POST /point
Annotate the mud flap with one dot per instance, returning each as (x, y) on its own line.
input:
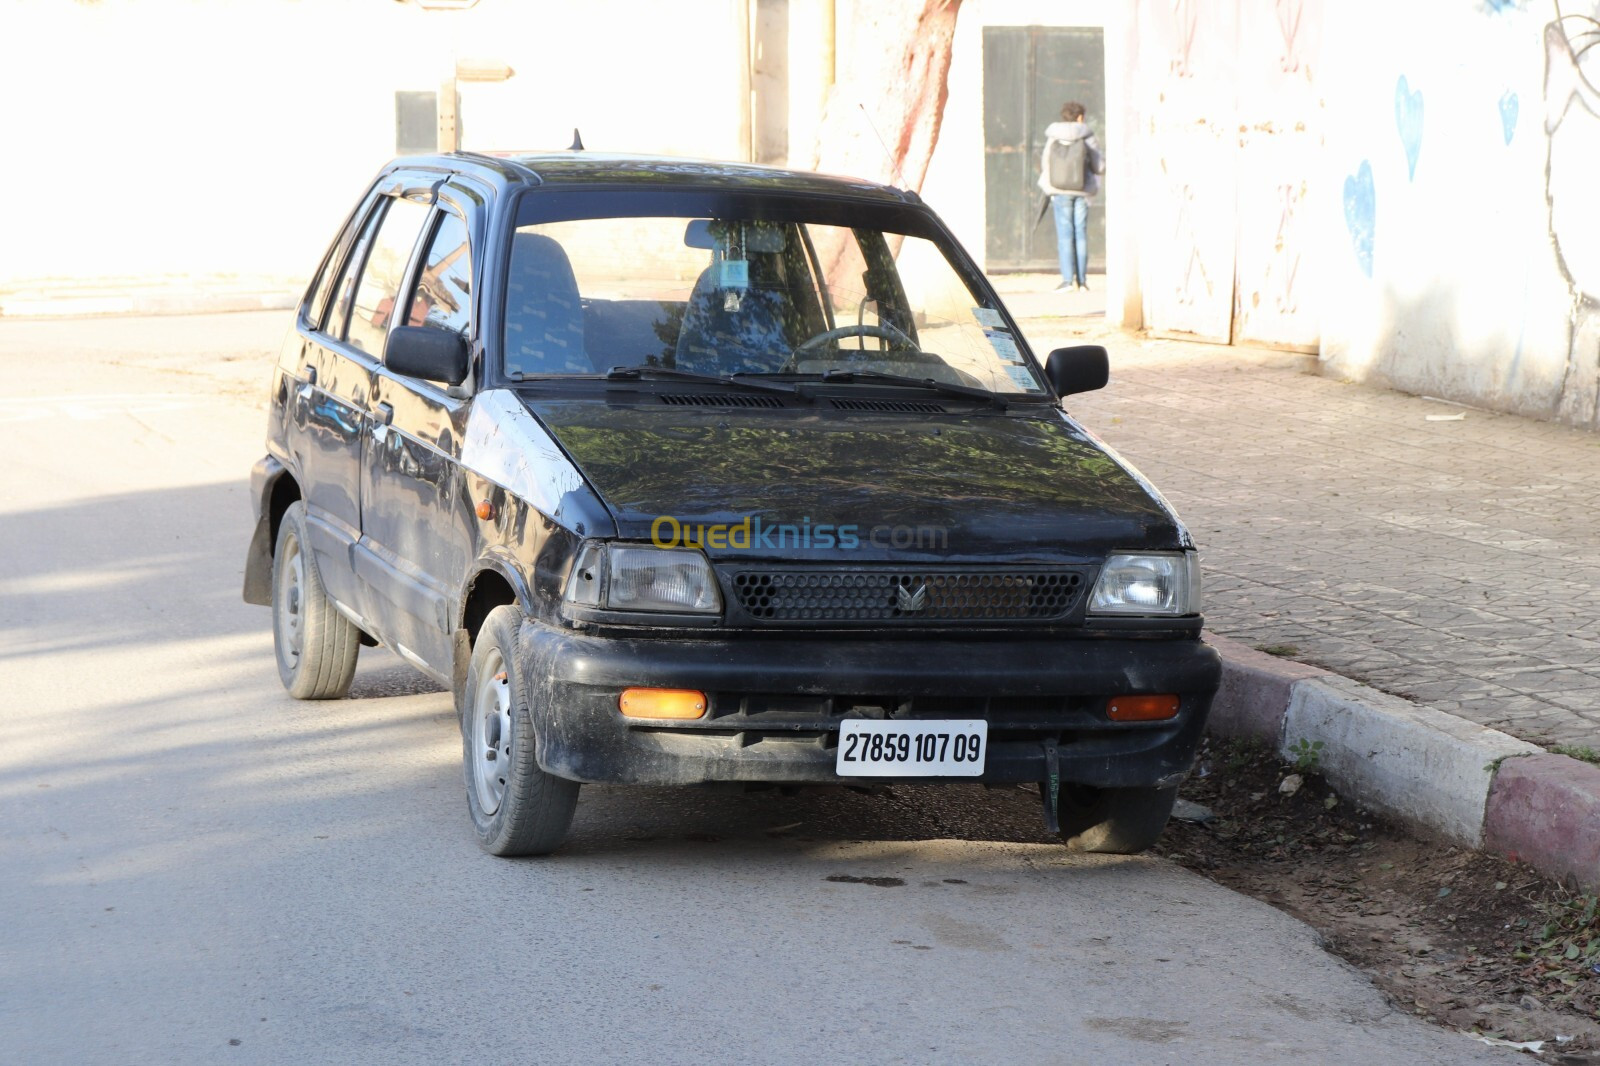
(258, 565)
(1050, 787)
(460, 660)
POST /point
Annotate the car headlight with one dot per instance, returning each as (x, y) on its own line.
(617, 577)
(1164, 583)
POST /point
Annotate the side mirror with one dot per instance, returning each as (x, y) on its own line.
(1082, 368)
(428, 353)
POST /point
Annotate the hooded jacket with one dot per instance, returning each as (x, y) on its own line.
(1071, 131)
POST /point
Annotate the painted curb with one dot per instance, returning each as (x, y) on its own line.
(1438, 773)
(1255, 691)
(1545, 811)
(1422, 765)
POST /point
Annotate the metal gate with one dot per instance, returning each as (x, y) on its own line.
(1280, 149)
(1231, 127)
(1028, 73)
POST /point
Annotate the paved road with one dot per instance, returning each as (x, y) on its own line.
(1455, 561)
(194, 868)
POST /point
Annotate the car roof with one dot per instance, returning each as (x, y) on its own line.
(582, 167)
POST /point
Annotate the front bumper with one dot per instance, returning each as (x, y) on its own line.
(776, 704)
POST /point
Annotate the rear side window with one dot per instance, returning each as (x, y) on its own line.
(379, 289)
(322, 288)
(352, 266)
(319, 295)
(443, 297)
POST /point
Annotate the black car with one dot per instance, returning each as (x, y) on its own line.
(681, 472)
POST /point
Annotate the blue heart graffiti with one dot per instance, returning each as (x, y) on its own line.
(1509, 106)
(1408, 116)
(1360, 214)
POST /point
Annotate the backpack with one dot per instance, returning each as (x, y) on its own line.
(1069, 164)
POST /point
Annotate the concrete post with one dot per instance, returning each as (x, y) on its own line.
(449, 127)
(741, 22)
(1124, 295)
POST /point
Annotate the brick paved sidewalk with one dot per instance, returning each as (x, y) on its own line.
(1456, 563)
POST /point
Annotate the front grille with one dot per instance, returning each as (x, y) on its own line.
(906, 597)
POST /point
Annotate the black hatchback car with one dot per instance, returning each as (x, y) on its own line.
(681, 472)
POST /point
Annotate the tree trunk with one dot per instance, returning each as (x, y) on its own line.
(882, 121)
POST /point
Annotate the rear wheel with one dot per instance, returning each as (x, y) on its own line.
(1114, 821)
(316, 646)
(516, 807)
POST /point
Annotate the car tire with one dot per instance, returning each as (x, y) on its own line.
(316, 646)
(516, 807)
(1113, 821)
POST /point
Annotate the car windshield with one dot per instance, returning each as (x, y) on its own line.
(723, 284)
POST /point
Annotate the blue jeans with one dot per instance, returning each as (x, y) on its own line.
(1072, 236)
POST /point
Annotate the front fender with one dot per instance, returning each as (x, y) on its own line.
(499, 560)
(495, 560)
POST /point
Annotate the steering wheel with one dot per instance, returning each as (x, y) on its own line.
(882, 331)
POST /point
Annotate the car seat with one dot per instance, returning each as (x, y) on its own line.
(750, 327)
(544, 314)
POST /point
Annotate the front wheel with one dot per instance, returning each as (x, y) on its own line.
(316, 646)
(1113, 821)
(516, 807)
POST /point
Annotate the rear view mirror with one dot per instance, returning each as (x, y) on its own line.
(1082, 368)
(428, 353)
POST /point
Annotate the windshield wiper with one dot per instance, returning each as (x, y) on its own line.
(949, 389)
(667, 373)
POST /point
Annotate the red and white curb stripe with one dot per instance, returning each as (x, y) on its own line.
(1434, 771)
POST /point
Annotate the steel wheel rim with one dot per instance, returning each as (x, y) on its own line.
(490, 754)
(291, 600)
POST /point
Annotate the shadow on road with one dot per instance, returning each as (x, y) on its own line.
(613, 819)
(132, 601)
(141, 568)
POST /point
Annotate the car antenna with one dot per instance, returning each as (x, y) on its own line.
(900, 179)
(577, 141)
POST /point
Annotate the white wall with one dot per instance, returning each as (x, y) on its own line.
(268, 116)
(632, 75)
(1446, 281)
(164, 137)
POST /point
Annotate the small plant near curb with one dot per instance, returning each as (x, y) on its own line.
(1282, 651)
(1239, 753)
(1307, 754)
(1578, 751)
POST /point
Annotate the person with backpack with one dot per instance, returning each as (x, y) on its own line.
(1069, 174)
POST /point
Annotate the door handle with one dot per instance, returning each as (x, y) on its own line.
(384, 413)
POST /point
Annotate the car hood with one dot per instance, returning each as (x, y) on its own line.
(982, 486)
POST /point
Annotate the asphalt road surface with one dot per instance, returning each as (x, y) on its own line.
(196, 868)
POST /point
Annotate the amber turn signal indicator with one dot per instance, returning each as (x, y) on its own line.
(485, 510)
(662, 703)
(1142, 708)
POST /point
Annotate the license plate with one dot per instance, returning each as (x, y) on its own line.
(871, 748)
